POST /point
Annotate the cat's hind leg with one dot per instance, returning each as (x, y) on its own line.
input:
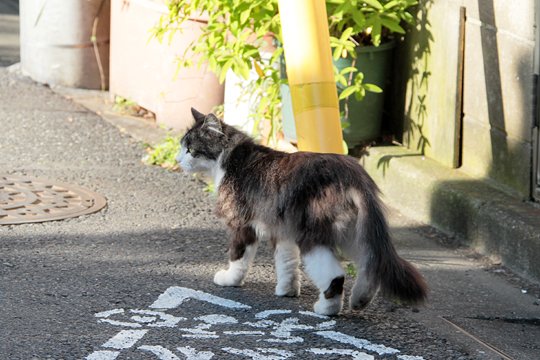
(364, 289)
(287, 261)
(242, 251)
(324, 269)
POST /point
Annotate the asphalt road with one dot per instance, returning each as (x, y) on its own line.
(157, 234)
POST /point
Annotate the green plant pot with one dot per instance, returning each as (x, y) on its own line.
(364, 117)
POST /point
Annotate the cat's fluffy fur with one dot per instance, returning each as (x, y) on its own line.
(309, 206)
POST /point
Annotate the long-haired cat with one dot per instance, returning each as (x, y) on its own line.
(310, 206)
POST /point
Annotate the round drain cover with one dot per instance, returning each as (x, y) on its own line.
(26, 200)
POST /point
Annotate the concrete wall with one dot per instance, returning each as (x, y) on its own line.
(497, 122)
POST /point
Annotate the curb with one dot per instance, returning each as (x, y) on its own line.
(478, 215)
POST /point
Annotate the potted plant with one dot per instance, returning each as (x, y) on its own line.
(237, 38)
(238, 32)
(363, 35)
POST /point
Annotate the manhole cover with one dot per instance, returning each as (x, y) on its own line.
(26, 200)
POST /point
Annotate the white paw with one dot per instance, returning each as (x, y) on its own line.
(290, 290)
(227, 278)
(328, 306)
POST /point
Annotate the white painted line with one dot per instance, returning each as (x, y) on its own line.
(160, 352)
(103, 355)
(326, 325)
(259, 354)
(108, 313)
(215, 319)
(409, 357)
(125, 339)
(176, 295)
(193, 354)
(311, 313)
(356, 355)
(244, 333)
(165, 320)
(267, 313)
(359, 343)
(120, 323)
(200, 336)
(286, 340)
(261, 323)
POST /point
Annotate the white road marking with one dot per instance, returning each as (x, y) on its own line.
(326, 325)
(165, 320)
(356, 355)
(193, 354)
(106, 314)
(160, 352)
(359, 343)
(265, 314)
(174, 296)
(200, 332)
(314, 314)
(282, 329)
(121, 323)
(244, 333)
(217, 319)
(259, 354)
(153, 318)
(103, 355)
(125, 339)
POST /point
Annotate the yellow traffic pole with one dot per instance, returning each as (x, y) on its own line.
(306, 41)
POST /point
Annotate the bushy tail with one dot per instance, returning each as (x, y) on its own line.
(397, 277)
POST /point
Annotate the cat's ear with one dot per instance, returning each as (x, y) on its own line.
(213, 123)
(198, 116)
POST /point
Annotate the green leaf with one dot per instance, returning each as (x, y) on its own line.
(224, 69)
(373, 3)
(244, 16)
(373, 88)
(392, 26)
(346, 34)
(347, 92)
(407, 17)
(359, 18)
(348, 70)
(391, 4)
(376, 32)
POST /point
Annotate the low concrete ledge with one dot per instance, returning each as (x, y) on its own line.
(490, 221)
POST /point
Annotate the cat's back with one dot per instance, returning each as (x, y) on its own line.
(324, 169)
(252, 163)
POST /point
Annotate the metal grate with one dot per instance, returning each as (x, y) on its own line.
(27, 200)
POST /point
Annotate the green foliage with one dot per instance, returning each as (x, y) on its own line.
(350, 270)
(234, 38)
(355, 23)
(238, 31)
(164, 153)
(123, 105)
(366, 22)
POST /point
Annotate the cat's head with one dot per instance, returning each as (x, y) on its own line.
(204, 143)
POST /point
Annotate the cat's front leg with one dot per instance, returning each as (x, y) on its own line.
(242, 251)
(287, 261)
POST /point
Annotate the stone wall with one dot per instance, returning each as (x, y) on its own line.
(498, 72)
